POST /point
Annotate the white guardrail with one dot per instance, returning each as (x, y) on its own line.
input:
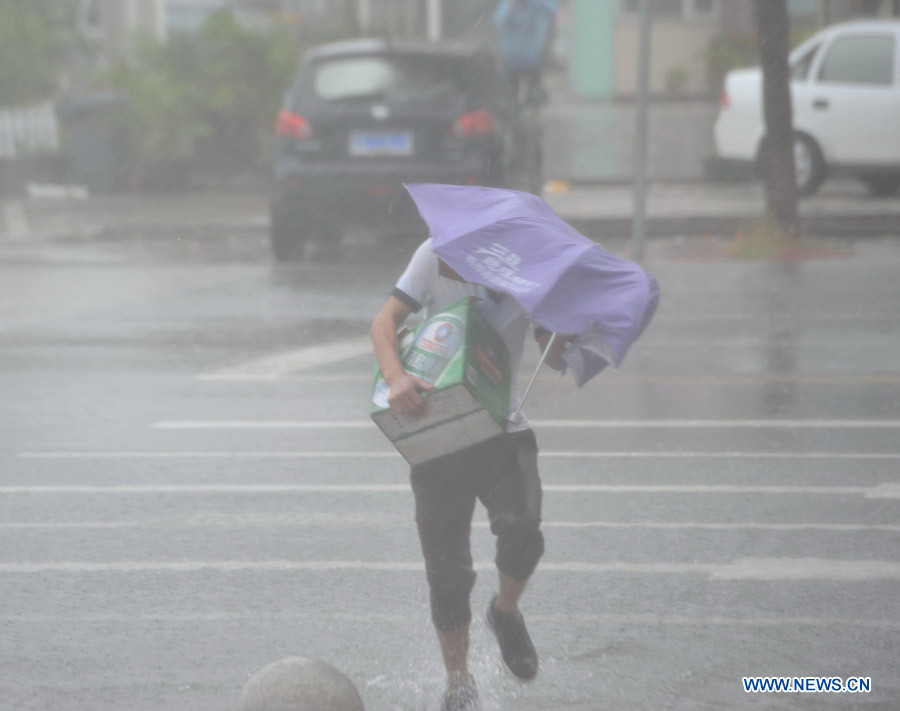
(28, 130)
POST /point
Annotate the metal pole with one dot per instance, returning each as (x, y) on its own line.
(640, 153)
(160, 11)
(516, 418)
(435, 20)
(364, 16)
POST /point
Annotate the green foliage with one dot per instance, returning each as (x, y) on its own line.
(162, 109)
(727, 52)
(28, 52)
(800, 35)
(676, 80)
(243, 76)
(225, 84)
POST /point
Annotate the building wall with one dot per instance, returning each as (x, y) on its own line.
(676, 46)
(591, 59)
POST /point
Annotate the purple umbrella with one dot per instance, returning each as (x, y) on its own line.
(514, 243)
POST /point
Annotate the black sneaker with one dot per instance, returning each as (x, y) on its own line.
(516, 648)
(461, 697)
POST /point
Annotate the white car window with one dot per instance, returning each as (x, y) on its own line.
(863, 59)
(800, 67)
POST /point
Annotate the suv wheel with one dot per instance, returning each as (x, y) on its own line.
(288, 230)
(808, 164)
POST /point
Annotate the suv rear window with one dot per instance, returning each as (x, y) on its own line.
(408, 78)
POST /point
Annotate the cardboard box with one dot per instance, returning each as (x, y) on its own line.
(459, 352)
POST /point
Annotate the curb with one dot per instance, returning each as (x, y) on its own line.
(847, 226)
(821, 225)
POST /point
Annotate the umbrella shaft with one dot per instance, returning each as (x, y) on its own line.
(516, 418)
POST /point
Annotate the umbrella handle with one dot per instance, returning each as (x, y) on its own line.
(517, 416)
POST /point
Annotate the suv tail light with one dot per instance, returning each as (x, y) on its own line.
(474, 123)
(291, 125)
(725, 100)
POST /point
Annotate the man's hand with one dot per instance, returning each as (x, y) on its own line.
(406, 394)
(554, 356)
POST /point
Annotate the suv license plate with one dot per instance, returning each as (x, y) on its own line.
(381, 144)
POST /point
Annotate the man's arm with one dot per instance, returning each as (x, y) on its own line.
(404, 397)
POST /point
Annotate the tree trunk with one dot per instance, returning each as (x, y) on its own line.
(778, 147)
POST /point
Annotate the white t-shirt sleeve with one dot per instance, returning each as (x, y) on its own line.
(415, 286)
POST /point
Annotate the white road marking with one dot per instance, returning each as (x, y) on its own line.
(720, 424)
(284, 364)
(69, 525)
(384, 454)
(325, 520)
(770, 569)
(882, 491)
(754, 342)
(210, 489)
(702, 526)
(368, 617)
(791, 316)
(548, 424)
(808, 569)
(273, 367)
(724, 455)
(16, 220)
(640, 620)
(885, 491)
(264, 425)
(615, 378)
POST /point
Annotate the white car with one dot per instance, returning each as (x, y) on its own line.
(845, 85)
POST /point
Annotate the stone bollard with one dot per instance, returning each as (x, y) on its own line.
(298, 684)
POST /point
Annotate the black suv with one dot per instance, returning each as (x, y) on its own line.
(365, 116)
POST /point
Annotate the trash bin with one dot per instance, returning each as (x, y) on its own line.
(95, 145)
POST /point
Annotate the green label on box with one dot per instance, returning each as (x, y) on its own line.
(465, 359)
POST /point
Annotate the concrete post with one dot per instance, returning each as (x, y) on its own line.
(640, 154)
(364, 16)
(298, 684)
(435, 20)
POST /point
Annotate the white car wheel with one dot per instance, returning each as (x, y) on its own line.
(808, 165)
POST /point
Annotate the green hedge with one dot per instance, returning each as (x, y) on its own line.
(221, 87)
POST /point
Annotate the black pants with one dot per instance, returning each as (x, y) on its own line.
(501, 472)
(526, 85)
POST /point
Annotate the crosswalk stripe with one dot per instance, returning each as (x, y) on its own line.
(880, 491)
(275, 366)
(549, 424)
(386, 454)
(822, 569)
(371, 617)
(345, 521)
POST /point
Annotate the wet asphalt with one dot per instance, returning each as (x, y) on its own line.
(190, 489)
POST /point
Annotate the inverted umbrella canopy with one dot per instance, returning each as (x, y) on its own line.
(513, 242)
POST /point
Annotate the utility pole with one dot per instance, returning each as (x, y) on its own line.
(364, 16)
(640, 153)
(435, 20)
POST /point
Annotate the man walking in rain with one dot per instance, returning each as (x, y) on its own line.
(524, 27)
(500, 472)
